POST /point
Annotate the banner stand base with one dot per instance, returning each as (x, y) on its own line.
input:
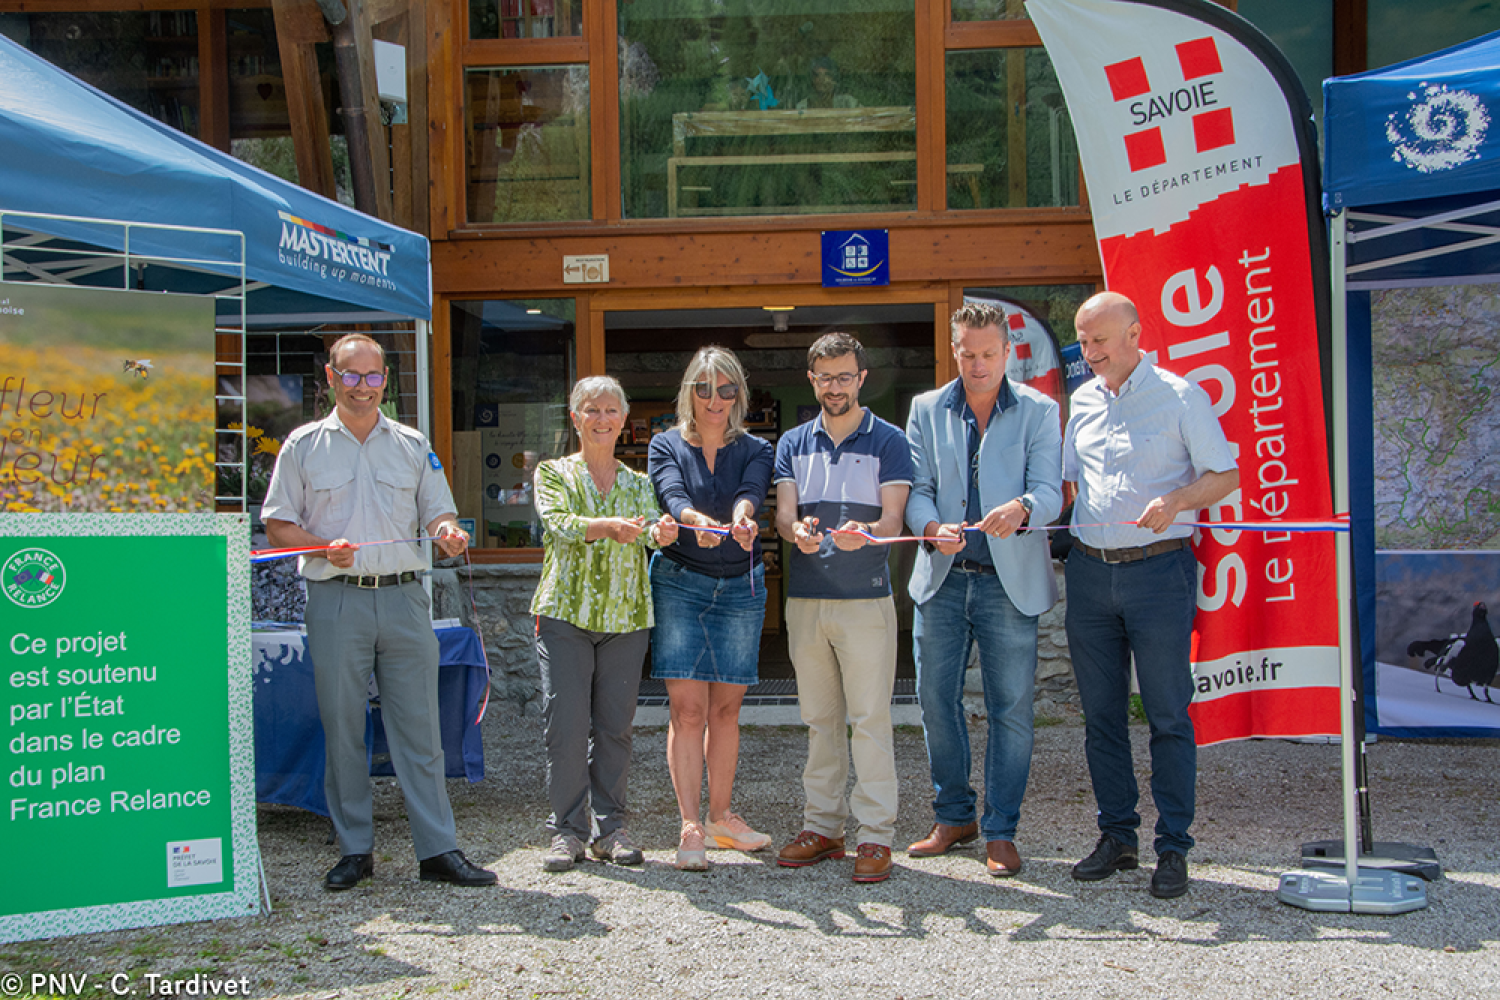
(1374, 891)
(1407, 859)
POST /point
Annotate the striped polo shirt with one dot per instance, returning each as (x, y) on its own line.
(838, 483)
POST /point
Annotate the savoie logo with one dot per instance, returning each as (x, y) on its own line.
(33, 578)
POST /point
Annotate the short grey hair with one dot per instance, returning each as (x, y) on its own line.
(593, 387)
(977, 316)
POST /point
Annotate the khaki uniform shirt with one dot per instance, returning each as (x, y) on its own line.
(388, 487)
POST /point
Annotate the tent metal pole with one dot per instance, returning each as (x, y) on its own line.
(1342, 547)
(1369, 890)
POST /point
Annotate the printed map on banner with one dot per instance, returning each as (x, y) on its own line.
(1436, 375)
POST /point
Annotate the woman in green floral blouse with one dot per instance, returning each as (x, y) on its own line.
(593, 609)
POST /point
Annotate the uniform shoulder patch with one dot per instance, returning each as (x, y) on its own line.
(432, 460)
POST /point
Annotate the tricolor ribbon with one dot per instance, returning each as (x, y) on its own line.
(1338, 525)
(266, 555)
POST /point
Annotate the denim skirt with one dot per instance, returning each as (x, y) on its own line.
(707, 628)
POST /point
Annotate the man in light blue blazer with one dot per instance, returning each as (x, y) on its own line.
(987, 455)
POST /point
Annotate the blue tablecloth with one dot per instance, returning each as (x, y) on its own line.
(289, 757)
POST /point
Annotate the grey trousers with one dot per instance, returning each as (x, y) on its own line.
(352, 633)
(590, 681)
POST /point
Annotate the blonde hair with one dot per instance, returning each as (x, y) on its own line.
(707, 365)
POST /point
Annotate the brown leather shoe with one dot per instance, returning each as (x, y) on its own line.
(1001, 858)
(808, 848)
(943, 839)
(873, 863)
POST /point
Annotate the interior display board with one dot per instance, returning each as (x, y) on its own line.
(106, 400)
(128, 736)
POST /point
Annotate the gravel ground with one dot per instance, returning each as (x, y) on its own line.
(938, 928)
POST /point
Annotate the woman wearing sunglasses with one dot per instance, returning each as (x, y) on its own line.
(710, 595)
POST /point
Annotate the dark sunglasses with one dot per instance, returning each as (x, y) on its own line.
(351, 379)
(726, 391)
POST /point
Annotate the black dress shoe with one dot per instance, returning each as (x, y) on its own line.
(350, 870)
(1171, 877)
(454, 867)
(1109, 856)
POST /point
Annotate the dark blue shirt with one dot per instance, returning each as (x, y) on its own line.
(838, 483)
(976, 543)
(742, 471)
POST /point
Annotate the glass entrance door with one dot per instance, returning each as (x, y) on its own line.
(648, 350)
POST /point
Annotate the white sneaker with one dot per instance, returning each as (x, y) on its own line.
(734, 834)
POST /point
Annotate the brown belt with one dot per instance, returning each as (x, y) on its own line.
(1137, 554)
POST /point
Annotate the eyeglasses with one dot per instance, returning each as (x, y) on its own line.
(844, 380)
(351, 379)
(728, 390)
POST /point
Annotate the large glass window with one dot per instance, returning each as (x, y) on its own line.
(1303, 30)
(528, 143)
(525, 18)
(988, 10)
(730, 107)
(1400, 30)
(513, 366)
(1010, 139)
(147, 59)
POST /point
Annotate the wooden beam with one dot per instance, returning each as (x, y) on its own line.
(213, 79)
(1351, 43)
(444, 121)
(601, 29)
(299, 22)
(416, 112)
(940, 249)
(931, 91)
(304, 94)
(394, 30)
(369, 100)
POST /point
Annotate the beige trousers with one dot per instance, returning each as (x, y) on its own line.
(844, 653)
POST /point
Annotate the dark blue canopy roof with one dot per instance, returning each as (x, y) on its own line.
(72, 150)
(1425, 128)
(1412, 152)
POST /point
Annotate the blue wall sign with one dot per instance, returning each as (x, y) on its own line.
(853, 257)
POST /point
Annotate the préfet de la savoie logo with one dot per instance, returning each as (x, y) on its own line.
(33, 578)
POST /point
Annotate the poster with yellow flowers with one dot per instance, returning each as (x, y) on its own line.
(106, 400)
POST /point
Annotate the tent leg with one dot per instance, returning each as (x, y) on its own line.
(1358, 889)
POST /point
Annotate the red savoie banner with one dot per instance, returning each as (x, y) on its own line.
(1197, 146)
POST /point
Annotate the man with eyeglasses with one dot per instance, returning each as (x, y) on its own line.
(988, 459)
(355, 477)
(841, 479)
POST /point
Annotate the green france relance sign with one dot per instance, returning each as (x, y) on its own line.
(124, 688)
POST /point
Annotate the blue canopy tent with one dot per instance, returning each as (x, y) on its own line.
(1412, 184)
(96, 193)
(75, 151)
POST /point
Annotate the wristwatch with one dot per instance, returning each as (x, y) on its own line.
(1025, 503)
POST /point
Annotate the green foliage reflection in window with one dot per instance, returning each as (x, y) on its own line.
(734, 107)
(527, 154)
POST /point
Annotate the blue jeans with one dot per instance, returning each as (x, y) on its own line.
(970, 608)
(1145, 608)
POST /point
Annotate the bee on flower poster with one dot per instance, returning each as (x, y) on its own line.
(106, 400)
